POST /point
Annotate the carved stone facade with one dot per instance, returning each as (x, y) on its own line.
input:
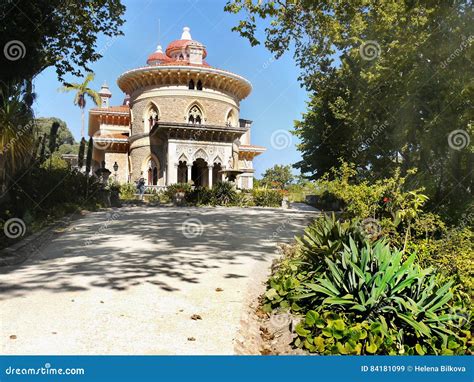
(179, 122)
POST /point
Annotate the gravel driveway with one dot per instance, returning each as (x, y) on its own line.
(143, 280)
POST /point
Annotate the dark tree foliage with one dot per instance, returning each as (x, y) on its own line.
(53, 137)
(80, 156)
(391, 85)
(65, 143)
(89, 156)
(61, 33)
(42, 156)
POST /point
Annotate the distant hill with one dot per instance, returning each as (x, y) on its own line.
(65, 139)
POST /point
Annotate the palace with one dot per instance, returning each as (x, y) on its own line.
(179, 122)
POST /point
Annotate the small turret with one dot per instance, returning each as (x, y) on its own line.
(105, 95)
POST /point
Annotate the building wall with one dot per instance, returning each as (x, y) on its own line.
(175, 109)
(141, 151)
(122, 161)
(188, 151)
(173, 104)
(245, 181)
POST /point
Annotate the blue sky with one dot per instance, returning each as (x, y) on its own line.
(275, 102)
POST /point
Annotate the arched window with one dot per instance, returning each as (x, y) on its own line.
(151, 117)
(152, 172)
(199, 85)
(191, 84)
(231, 120)
(195, 115)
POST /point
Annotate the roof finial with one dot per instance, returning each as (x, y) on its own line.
(159, 49)
(186, 34)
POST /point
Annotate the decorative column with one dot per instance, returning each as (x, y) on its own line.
(165, 177)
(190, 166)
(209, 176)
(172, 177)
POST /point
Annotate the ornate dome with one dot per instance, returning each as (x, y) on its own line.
(157, 57)
(177, 47)
(182, 62)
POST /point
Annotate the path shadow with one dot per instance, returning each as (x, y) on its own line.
(162, 246)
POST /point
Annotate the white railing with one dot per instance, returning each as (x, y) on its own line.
(154, 188)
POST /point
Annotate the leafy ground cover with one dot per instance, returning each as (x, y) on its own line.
(384, 277)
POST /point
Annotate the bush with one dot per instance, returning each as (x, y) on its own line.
(127, 191)
(42, 195)
(327, 236)
(267, 198)
(244, 199)
(380, 199)
(172, 189)
(452, 255)
(224, 193)
(200, 196)
(373, 284)
(389, 279)
(55, 162)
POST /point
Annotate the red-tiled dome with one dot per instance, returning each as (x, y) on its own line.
(182, 44)
(157, 57)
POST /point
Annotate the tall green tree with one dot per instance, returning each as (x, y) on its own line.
(35, 35)
(82, 91)
(90, 148)
(80, 155)
(65, 143)
(279, 176)
(53, 135)
(38, 34)
(16, 127)
(391, 85)
(43, 153)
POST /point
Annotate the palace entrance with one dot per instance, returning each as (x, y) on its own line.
(200, 173)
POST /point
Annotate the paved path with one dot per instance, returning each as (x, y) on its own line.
(128, 281)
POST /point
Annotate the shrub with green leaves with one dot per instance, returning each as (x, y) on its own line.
(224, 193)
(452, 255)
(244, 199)
(375, 281)
(326, 236)
(336, 333)
(371, 282)
(172, 189)
(127, 191)
(264, 197)
(200, 196)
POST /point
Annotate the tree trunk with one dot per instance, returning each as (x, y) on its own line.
(82, 128)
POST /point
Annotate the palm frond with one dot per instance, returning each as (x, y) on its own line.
(93, 95)
(90, 77)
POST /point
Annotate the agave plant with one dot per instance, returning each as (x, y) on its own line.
(376, 283)
(224, 193)
(326, 236)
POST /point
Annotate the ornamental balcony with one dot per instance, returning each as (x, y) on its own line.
(190, 131)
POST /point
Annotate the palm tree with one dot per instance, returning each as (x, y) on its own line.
(82, 90)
